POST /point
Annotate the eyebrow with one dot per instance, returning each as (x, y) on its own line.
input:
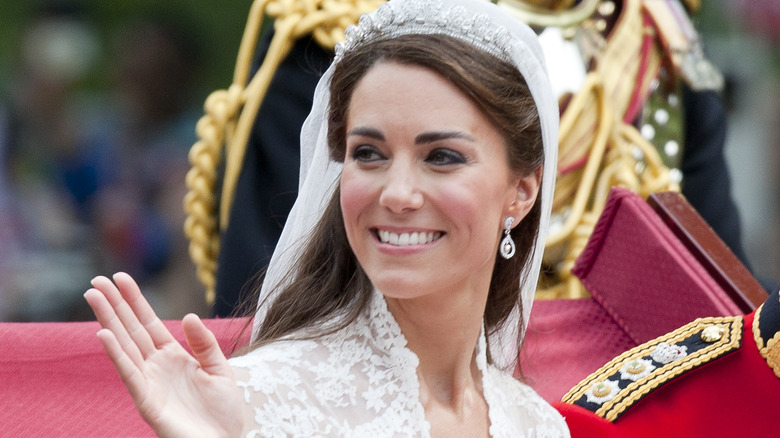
(424, 138)
(367, 132)
(431, 137)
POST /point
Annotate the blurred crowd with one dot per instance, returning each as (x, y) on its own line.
(92, 179)
(742, 38)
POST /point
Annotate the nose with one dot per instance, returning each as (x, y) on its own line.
(400, 192)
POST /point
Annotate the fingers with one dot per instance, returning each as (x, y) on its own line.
(205, 347)
(143, 311)
(128, 315)
(127, 328)
(109, 320)
(126, 368)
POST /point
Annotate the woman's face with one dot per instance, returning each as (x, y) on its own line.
(426, 184)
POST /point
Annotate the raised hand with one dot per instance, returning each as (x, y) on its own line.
(176, 393)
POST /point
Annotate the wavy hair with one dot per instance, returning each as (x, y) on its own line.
(327, 289)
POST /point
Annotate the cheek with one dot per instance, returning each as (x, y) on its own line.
(472, 218)
(355, 197)
(476, 206)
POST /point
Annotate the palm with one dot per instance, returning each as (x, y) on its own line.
(178, 394)
(181, 399)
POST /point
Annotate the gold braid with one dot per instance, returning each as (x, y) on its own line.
(599, 150)
(229, 115)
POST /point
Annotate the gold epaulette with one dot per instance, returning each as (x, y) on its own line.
(766, 331)
(230, 114)
(618, 385)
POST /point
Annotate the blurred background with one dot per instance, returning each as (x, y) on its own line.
(98, 104)
(742, 38)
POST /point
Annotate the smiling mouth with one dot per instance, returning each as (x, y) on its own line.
(406, 239)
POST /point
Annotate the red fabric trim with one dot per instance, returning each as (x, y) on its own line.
(585, 424)
(56, 381)
(640, 272)
(638, 98)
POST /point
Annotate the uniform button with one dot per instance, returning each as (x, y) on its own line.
(601, 389)
(635, 367)
(712, 333)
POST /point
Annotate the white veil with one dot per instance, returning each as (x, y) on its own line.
(479, 23)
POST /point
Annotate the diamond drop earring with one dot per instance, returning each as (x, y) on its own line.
(507, 247)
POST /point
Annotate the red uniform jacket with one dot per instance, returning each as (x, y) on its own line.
(715, 377)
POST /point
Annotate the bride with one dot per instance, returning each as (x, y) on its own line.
(397, 297)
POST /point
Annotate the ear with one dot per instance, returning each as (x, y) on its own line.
(527, 187)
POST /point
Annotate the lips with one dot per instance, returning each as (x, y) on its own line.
(406, 239)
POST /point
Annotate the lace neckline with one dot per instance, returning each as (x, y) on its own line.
(381, 320)
(362, 380)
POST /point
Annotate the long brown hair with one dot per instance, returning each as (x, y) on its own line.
(327, 281)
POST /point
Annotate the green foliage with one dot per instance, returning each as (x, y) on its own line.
(214, 28)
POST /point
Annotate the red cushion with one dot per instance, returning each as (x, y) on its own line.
(636, 268)
(56, 380)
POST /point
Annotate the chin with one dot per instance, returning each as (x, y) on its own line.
(400, 287)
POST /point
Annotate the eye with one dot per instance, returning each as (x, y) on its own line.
(445, 157)
(366, 154)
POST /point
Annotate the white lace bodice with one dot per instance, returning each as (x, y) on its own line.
(362, 382)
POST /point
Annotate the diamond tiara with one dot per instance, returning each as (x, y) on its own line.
(428, 18)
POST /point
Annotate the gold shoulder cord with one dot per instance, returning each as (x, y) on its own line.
(597, 148)
(229, 115)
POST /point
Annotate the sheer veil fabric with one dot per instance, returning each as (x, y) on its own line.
(362, 379)
(486, 27)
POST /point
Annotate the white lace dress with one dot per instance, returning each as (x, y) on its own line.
(362, 382)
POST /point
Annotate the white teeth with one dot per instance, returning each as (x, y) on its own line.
(405, 239)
